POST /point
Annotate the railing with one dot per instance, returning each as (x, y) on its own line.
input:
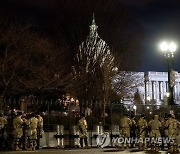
(107, 116)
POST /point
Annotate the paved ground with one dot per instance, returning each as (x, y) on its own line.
(80, 151)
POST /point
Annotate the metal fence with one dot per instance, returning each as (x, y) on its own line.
(100, 116)
(57, 113)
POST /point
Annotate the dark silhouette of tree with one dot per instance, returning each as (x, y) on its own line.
(67, 24)
(29, 63)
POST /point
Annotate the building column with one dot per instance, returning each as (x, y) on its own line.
(157, 90)
(164, 88)
(149, 89)
(178, 93)
(160, 90)
(152, 85)
(167, 87)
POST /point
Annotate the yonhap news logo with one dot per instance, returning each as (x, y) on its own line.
(103, 140)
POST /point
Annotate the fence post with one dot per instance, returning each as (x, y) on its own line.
(1, 104)
(48, 122)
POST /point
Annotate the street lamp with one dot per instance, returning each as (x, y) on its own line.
(169, 48)
(148, 98)
(135, 108)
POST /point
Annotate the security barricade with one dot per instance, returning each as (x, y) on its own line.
(60, 136)
(74, 136)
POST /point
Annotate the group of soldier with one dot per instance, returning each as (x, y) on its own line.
(27, 128)
(167, 127)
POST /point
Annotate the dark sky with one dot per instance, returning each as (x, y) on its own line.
(161, 21)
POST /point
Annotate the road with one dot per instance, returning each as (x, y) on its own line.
(81, 151)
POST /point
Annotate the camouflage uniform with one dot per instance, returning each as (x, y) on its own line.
(172, 125)
(3, 122)
(40, 125)
(18, 131)
(133, 131)
(125, 124)
(40, 130)
(155, 126)
(83, 131)
(142, 125)
(3, 133)
(164, 130)
(32, 131)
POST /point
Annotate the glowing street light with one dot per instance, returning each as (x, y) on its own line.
(164, 46)
(167, 94)
(169, 48)
(135, 107)
(148, 98)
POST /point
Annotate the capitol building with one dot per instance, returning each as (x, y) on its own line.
(151, 86)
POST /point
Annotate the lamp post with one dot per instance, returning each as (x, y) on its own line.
(135, 108)
(169, 48)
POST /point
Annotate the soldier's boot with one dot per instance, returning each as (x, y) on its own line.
(86, 142)
(123, 146)
(140, 146)
(143, 147)
(81, 142)
(171, 149)
(175, 148)
(17, 148)
(152, 147)
(127, 146)
(26, 143)
(30, 144)
(16, 144)
(33, 144)
(157, 148)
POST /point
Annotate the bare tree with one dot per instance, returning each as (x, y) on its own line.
(46, 69)
(12, 38)
(67, 22)
(29, 63)
(125, 84)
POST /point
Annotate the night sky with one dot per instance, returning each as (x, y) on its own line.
(161, 21)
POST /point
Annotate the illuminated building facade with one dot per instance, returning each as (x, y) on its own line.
(155, 87)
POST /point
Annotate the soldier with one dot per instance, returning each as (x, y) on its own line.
(133, 131)
(40, 130)
(32, 131)
(164, 130)
(26, 132)
(24, 127)
(83, 131)
(142, 126)
(155, 126)
(3, 123)
(172, 125)
(18, 130)
(125, 124)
